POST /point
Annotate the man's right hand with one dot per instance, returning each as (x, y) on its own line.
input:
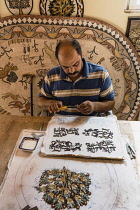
(54, 106)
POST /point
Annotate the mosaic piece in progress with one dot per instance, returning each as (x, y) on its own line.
(64, 188)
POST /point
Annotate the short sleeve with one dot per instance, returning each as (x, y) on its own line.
(45, 90)
(107, 92)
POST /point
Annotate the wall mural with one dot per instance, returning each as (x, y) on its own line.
(27, 45)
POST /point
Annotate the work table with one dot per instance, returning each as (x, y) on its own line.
(11, 126)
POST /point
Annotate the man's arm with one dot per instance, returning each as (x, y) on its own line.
(88, 107)
(47, 104)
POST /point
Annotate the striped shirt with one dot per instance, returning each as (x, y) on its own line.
(93, 85)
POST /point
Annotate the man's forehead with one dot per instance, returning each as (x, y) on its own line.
(69, 63)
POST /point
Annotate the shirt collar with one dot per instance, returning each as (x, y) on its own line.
(85, 68)
(62, 73)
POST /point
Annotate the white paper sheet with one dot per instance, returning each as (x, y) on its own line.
(80, 136)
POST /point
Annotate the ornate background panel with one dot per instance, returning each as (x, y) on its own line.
(27, 45)
(65, 8)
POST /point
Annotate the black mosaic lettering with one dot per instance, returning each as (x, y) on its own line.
(63, 132)
(105, 146)
(58, 146)
(104, 133)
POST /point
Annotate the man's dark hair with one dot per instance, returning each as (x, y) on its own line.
(70, 42)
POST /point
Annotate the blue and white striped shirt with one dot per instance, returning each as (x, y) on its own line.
(94, 85)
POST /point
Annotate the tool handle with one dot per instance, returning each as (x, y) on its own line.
(63, 107)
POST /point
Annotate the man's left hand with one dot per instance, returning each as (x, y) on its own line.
(87, 107)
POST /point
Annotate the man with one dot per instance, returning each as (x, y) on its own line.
(76, 82)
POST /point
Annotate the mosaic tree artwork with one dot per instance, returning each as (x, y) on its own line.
(64, 8)
(64, 188)
(19, 7)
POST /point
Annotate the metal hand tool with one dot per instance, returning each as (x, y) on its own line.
(66, 107)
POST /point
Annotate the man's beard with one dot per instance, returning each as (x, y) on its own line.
(74, 73)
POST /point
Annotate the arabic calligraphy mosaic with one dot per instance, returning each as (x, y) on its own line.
(63, 131)
(106, 145)
(28, 45)
(63, 188)
(59, 146)
(103, 133)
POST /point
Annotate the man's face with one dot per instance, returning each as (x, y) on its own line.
(71, 62)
